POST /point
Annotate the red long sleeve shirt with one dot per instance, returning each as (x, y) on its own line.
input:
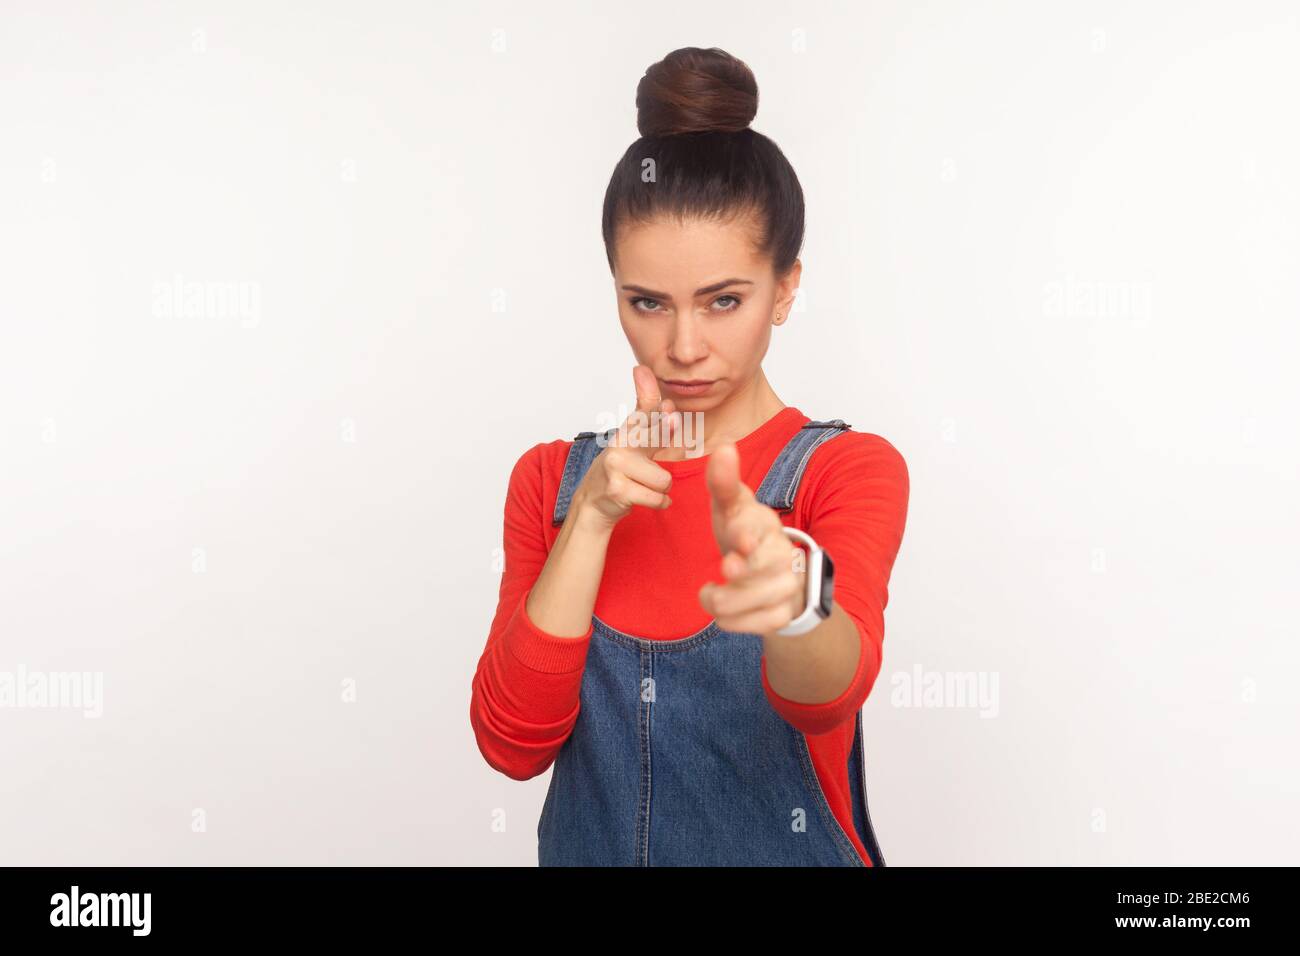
(852, 500)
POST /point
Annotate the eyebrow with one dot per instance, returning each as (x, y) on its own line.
(717, 286)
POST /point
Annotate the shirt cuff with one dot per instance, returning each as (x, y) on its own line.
(824, 717)
(541, 651)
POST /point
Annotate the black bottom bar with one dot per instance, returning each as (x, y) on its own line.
(1173, 906)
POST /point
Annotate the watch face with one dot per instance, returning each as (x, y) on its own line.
(828, 584)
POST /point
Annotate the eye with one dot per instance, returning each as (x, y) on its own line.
(730, 308)
(642, 298)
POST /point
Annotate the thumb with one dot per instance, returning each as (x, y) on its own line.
(723, 478)
(650, 424)
(648, 396)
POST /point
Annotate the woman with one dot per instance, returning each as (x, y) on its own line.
(684, 728)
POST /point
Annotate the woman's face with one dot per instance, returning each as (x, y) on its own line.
(697, 303)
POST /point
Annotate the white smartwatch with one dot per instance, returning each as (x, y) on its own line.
(820, 587)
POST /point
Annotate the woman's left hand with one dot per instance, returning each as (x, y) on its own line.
(765, 576)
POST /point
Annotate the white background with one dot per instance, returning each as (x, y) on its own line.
(1103, 501)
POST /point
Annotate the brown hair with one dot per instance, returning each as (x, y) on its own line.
(694, 108)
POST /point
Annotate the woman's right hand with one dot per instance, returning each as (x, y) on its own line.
(624, 474)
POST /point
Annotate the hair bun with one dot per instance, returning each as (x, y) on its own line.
(693, 90)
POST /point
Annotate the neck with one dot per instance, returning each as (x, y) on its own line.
(742, 412)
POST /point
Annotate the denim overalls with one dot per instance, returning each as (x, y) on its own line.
(677, 758)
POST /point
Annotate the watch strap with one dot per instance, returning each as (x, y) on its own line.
(811, 615)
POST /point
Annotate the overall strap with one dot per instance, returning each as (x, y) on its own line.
(781, 483)
(777, 490)
(582, 453)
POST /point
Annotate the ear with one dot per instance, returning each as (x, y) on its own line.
(785, 292)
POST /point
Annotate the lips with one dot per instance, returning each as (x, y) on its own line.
(695, 386)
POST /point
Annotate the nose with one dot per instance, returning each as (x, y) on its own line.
(687, 346)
